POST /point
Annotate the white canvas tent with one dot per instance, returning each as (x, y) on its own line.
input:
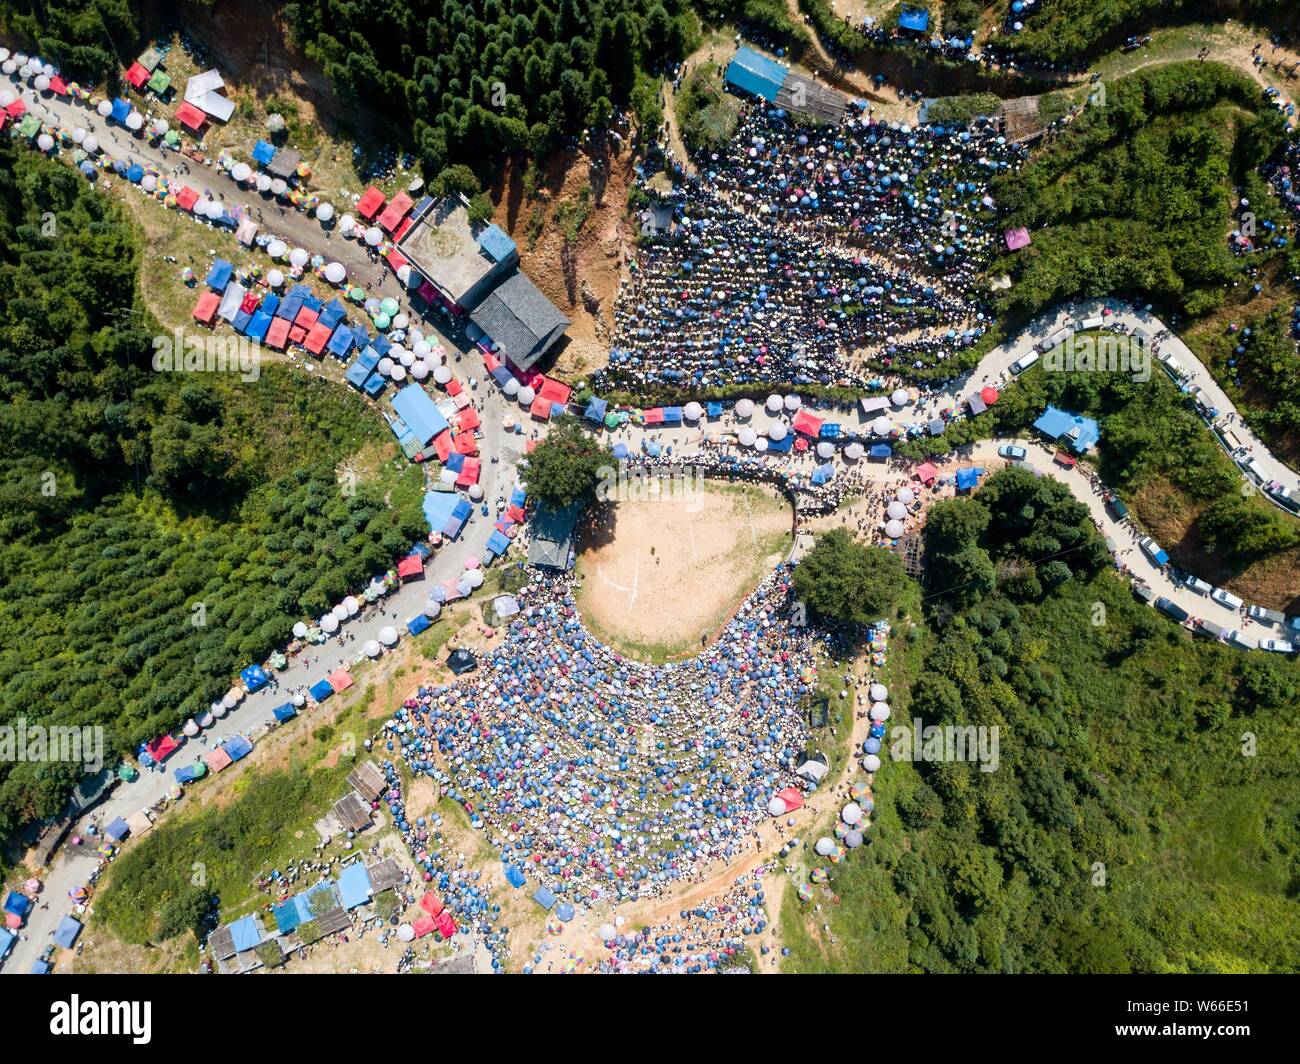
(204, 92)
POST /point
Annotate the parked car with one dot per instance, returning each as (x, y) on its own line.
(1152, 549)
(1266, 616)
(1245, 642)
(1011, 451)
(1195, 583)
(1226, 598)
(1172, 608)
(1277, 646)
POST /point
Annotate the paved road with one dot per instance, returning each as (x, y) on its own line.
(73, 865)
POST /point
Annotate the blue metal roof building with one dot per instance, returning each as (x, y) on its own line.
(1080, 433)
(756, 73)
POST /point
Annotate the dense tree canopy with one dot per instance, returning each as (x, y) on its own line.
(567, 465)
(843, 579)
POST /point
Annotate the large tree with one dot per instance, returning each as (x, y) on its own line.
(565, 467)
(844, 579)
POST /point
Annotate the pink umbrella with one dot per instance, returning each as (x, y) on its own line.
(33, 886)
(471, 562)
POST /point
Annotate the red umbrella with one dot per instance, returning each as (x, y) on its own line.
(989, 395)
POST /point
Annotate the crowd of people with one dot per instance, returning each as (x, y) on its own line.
(608, 779)
(766, 276)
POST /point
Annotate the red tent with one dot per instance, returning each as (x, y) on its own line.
(423, 926)
(541, 408)
(58, 86)
(250, 302)
(515, 513)
(468, 473)
(469, 419)
(395, 259)
(654, 416)
(297, 334)
(464, 443)
(186, 198)
(791, 797)
(16, 109)
(807, 424)
(306, 317)
(431, 904)
(446, 925)
(340, 679)
(394, 212)
(370, 202)
(317, 337)
(411, 565)
(400, 232)
(216, 759)
(442, 444)
(926, 472)
(190, 116)
(162, 747)
(555, 391)
(136, 75)
(454, 387)
(277, 334)
(206, 308)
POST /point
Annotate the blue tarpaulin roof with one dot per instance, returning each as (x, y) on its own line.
(118, 830)
(498, 543)
(517, 497)
(756, 73)
(968, 477)
(66, 933)
(245, 933)
(596, 409)
(357, 373)
(332, 313)
(287, 917)
(421, 414)
(354, 885)
(544, 898)
(341, 342)
(38, 967)
(446, 512)
(188, 773)
(495, 242)
(121, 108)
(321, 690)
(263, 152)
(781, 446)
(914, 19)
(823, 473)
(713, 409)
(284, 712)
(254, 678)
(417, 624)
(375, 383)
(219, 276)
(881, 450)
(257, 327)
(18, 904)
(237, 747)
(514, 875)
(1080, 433)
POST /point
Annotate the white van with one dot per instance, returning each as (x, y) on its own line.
(1089, 323)
(1021, 364)
(1242, 642)
(1226, 598)
(1195, 583)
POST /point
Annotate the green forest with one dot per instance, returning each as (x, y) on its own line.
(158, 531)
(1134, 196)
(1144, 814)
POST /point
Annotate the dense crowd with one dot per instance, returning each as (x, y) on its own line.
(606, 778)
(797, 246)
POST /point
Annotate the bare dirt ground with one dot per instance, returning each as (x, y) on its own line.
(661, 574)
(578, 262)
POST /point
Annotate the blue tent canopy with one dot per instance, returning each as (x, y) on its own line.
(501, 375)
(596, 409)
(881, 450)
(417, 624)
(284, 712)
(320, 690)
(18, 904)
(332, 313)
(446, 512)
(219, 276)
(756, 73)
(245, 933)
(237, 747)
(1080, 433)
(254, 678)
(6, 940)
(354, 885)
(118, 830)
(258, 326)
(518, 497)
(781, 446)
(514, 876)
(498, 543)
(421, 414)
(672, 415)
(830, 430)
(189, 773)
(286, 915)
(66, 933)
(121, 108)
(823, 473)
(341, 342)
(38, 967)
(968, 477)
(263, 152)
(713, 409)
(914, 19)
(545, 898)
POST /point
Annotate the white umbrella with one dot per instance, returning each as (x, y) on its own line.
(374, 235)
(825, 846)
(420, 370)
(399, 373)
(899, 398)
(773, 404)
(893, 529)
(104, 108)
(777, 431)
(299, 630)
(219, 708)
(476, 492)
(352, 605)
(298, 257)
(324, 211)
(853, 452)
(276, 249)
(442, 375)
(432, 607)
(190, 728)
(340, 611)
(882, 426)
(78, 134)
(135, 121)
(526, 395)
(879, 711)
(511, 386)
(474, 578)
(851, 813)
(264, 182)
(372, 648)
(42, 82)
(388, 635)
(241, 172)
(91, 143)
(607, 933)
(278, 187)
(160, 126)
(745, 408)
(747, 436)
(793, 402)
(896, 511)
(879, 692)
(405, 933)
(385, 365)
(299, 700)
(906, 496)
(329, 624)
(335, 273)
(346, 223)
(853, 839)
(401, 321)
(692, 411)
(274, 278)
(825, 449)
(148, 182)
(871, 763)
(776, 807)
(45, 142)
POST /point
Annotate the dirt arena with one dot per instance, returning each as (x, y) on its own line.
(659, 575)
